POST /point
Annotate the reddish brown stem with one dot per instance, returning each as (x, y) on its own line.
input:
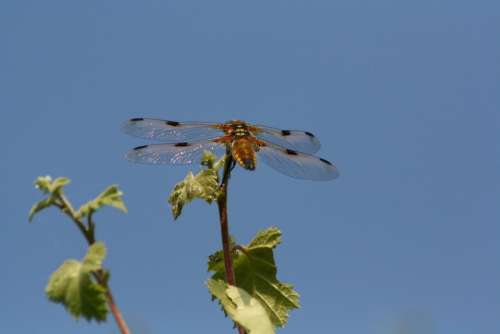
(89, 235)
(224, 225)
(116, 312)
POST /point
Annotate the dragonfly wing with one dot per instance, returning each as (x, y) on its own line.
(298, 140)
(170, 131)
(296, 164)
(176, 154)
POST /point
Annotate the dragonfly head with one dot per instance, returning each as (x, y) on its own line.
(236, 122)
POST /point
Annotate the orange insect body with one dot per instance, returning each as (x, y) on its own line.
(243, 151)
(242, 142)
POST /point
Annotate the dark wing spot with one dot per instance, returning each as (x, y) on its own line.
(291, 152)
(137, 119)
(140, 147)
(326, 161)
(172, 123)
(285, 132)
(309, 134)
(182, 144)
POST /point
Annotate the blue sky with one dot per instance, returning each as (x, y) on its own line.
(404, 97)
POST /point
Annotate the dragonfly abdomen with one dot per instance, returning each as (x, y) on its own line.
(243, 152)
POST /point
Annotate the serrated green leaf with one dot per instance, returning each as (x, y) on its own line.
(269, 238)
(208, 159)
(73, 286)
(47, 185)
(245, 310)
(216, 260)
(94, 257)
(220, 163)
(39, 206)
(255, 272)
(112, 196)
(203, 185)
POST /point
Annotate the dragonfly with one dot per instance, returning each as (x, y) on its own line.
(290, 152)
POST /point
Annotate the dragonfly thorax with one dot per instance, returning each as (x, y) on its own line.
(238, 129)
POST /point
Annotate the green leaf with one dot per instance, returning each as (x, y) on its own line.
(203, 185)
(208, 159)
(50, 187)
(216, 260)
(255, 272)
(94, 257)
(269, 238)
(241, 307)
(45, 183)
(73, 286)
(112, 196)
(39, 206)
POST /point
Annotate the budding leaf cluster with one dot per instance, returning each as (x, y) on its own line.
(255, 273)
(74, 286)
(50, 187)
(112, 196)
(80, 286)
(204, 185)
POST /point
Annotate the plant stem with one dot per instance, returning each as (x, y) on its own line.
(224, 225)
(113, 307)
(89, 235)
(65, 206)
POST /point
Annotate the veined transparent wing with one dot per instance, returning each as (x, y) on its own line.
(296, 164)
(177, 154)
(171, 131)
(302, 141)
